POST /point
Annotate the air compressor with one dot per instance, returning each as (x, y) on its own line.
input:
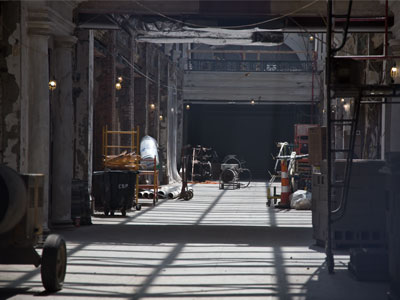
(231, 175)
(21, 219)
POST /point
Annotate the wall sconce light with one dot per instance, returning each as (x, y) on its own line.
(394, 72)
(311, 38)
(120, 79)
(252, 102)
(342, 100)
(346, 107)
(187, 106)
(152, 106)
(52, 85)
(118, 86)
(161, 117)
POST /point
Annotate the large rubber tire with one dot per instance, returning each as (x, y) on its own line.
(54, 263)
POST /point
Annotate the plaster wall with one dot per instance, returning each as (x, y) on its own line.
(10, 89)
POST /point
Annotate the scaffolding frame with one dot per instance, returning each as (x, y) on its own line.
(108, 146)
(154, 173)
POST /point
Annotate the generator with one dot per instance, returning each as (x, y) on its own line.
(229, 177)
(21, 219)
(233, 173)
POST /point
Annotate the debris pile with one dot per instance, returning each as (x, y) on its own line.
(122, 161)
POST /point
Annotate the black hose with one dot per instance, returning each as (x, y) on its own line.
(346, 29)
(243, 171)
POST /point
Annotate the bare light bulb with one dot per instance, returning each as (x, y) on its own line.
(52, 85)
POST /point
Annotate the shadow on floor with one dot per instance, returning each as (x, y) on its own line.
(153, 234)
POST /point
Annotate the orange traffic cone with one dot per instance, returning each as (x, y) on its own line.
(285, 186)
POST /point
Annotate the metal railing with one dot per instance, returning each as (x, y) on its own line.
(248, 66)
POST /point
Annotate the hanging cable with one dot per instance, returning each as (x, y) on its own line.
(228, 27)
(346, 29)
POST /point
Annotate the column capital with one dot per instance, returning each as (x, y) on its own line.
(39, 22)
(47, 21)
(67, 41)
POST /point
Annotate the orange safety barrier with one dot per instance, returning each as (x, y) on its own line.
(285, 185)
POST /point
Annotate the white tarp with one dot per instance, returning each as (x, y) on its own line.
(300, 200)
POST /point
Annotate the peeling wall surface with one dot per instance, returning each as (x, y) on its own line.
(10, 102)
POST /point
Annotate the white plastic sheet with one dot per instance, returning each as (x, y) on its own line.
(148, 149)
(300, 200)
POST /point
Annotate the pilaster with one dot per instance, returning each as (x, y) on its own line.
(62, 134)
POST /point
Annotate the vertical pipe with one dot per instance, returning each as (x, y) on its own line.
(386, 27)
(312, 88)
(328, 246)
(157, 116)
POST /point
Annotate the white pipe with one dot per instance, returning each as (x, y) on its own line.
(173, 194)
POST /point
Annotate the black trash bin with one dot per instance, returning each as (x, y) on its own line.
(114, 190)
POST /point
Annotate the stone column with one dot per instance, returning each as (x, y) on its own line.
(39, 114)
(113, 75)
(83, 105)
(62, 117)
(132, 83)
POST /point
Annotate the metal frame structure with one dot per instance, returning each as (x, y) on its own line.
(358, 93)
(154, 185)
(134, 146)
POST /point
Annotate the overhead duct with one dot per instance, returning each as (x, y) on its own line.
(168, 32)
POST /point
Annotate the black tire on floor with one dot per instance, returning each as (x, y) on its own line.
(138, 206)
(54, 263)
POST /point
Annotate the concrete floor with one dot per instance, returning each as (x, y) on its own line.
(219, 245)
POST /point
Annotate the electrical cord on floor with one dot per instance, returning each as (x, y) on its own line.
(249, 177)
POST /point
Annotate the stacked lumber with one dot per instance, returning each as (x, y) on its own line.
(123, 161)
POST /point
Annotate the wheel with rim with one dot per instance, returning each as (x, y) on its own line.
(186, 195)
(54, 263)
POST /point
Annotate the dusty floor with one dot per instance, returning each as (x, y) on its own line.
(219, 245)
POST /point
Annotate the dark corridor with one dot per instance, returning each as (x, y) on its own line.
(249, 131)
